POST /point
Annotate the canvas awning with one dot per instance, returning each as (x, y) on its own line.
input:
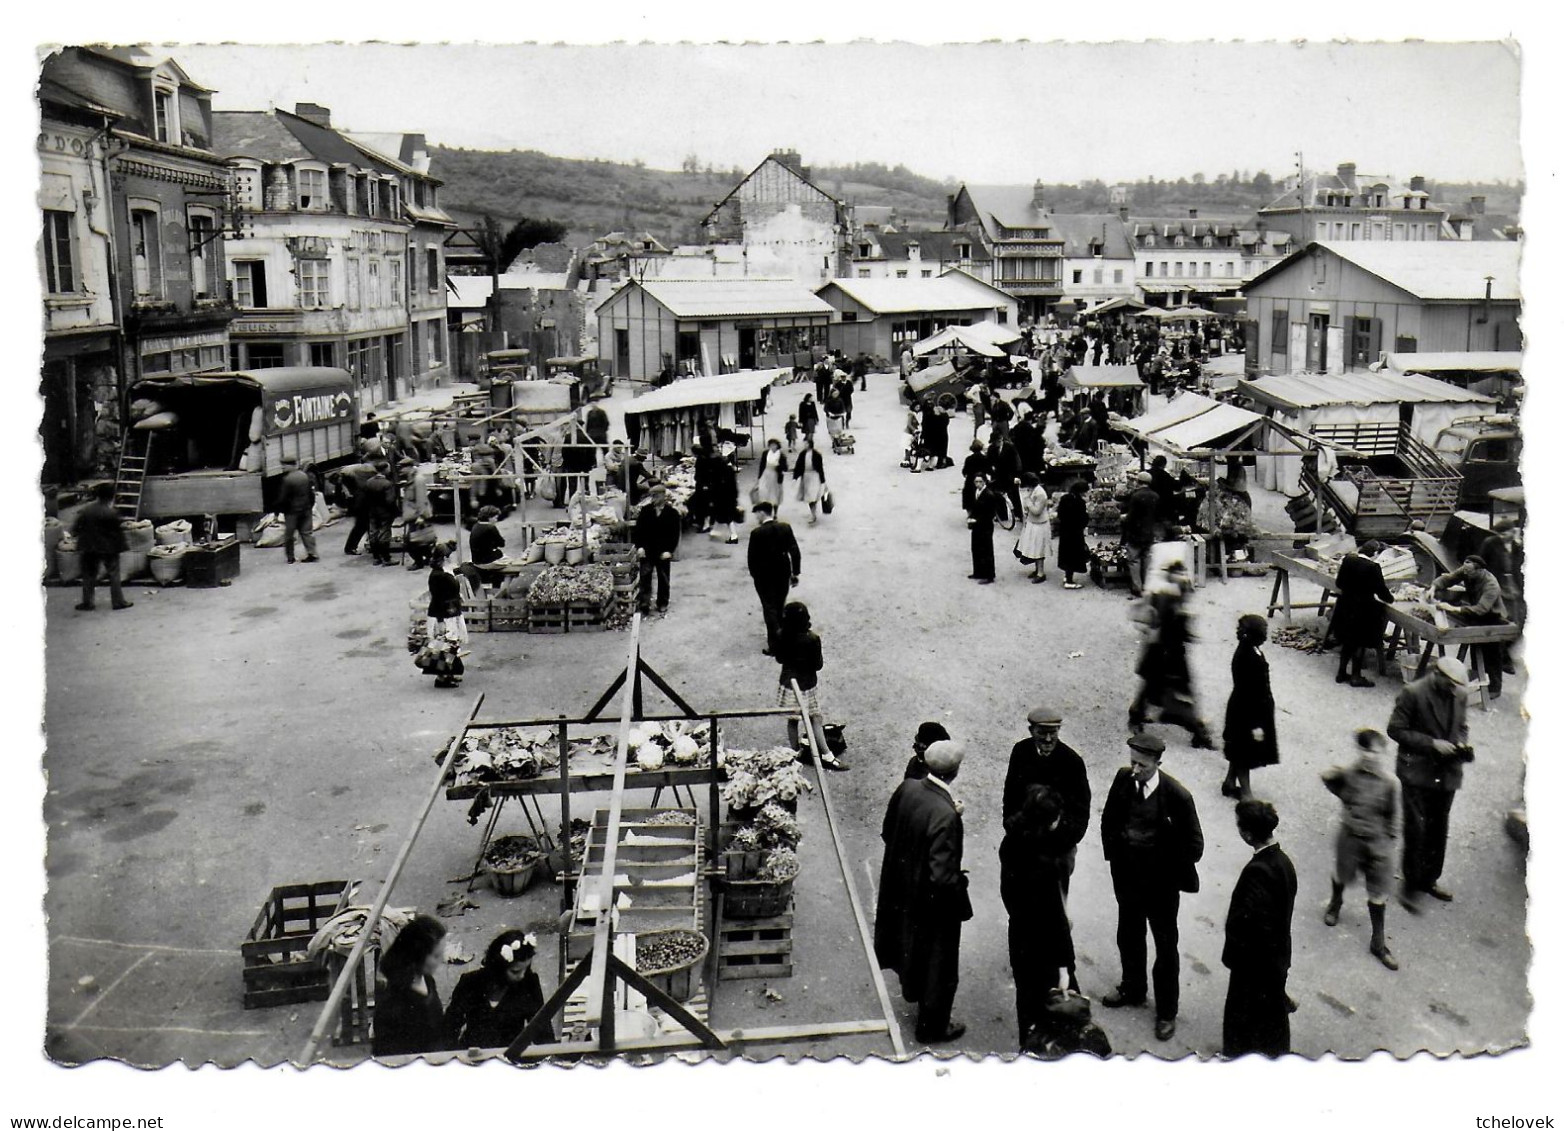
(1292, 393)
(1472, 361)
(1191, 422)
(952, 337)
(922, 380)
(993, 332)
(1103, 377)
(720, 388)
(1120, 303)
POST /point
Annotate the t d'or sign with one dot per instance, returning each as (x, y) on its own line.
(294, 411)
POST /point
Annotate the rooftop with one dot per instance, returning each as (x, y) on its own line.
(732, 298)
(950, 291)
(1450, 270)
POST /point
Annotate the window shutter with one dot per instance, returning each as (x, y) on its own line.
(1376, 338)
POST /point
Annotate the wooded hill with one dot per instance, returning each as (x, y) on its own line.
(592, 197)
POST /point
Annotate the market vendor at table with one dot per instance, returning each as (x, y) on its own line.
(1478, 600)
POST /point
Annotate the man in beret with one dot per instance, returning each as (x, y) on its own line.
(1041, 759)
(1428, 726)
(1152, 840)
(923, 893)
(928, 734)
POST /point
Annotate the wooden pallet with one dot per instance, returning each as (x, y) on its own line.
(476, 615)
(509, 615)
(755, 948)
(548, 618)
(589, 616)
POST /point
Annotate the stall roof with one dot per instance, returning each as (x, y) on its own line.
(1103, 377)
(733, 298)
(1190, 421)
(993, 332)
(954, 290)
(720, 388)
(957, 335)
(922, 380)
(1311, 390)
(1474, 361)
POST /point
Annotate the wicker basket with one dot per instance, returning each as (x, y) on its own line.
(511, 879)
(678, 982)
(755, 899)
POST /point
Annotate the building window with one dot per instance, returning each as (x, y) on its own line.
(312, 190)
(926, 273)
(901, 274)
(436, 334)
(314, 283)
(372, 200)
(323, 353)
(164, 117)
(863, 272)
(1399, 231)
(1321, 230)
(203, 254)
(1118, 274)
(264, 355)
(1075, 276)
(1163, 269)
(355, 299)
(864, 251)
(374, 283)
(1229, 269)
(1205, 269)
(1178, 270)
(1097, 276)
(1279, 332)
(432, 260)
(1355, 231)
(146, 254)
(397, 297)
(59, 252)
(250, 283)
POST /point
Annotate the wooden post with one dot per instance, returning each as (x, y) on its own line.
(328, 1012)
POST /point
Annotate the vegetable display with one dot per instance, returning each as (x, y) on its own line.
(667, 950)
(520, 753)
(757, 777)
(561, 583)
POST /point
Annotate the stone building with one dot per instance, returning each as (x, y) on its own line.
(779, 209)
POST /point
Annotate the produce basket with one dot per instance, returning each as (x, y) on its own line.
(671, 960)
(511, 863)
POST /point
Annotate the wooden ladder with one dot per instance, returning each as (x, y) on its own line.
(132, 473)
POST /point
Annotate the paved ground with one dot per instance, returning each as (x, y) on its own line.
(212, 743)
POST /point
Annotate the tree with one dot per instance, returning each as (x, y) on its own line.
(526, 234)
(1263, 185)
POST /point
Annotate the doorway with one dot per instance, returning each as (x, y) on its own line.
(747, 349)
(1318, 325)
(622, 353)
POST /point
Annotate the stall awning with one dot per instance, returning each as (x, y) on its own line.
(720, 388)
(1191, 422)
(1103, 377)
(953, 336)
(1293, 392)
(923, 380)
(1474, 361)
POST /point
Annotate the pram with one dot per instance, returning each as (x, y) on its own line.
(841, 439)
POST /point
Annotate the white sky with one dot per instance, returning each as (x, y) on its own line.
(977, 112)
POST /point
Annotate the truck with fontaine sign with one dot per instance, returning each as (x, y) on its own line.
(213, 443)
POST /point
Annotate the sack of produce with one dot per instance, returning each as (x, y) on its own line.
(157, 420)
(173, 533)
(138, 535)
(272, 535)
(257, 425)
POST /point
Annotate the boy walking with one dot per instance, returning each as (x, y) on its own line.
(1368, 830)
(790, 429)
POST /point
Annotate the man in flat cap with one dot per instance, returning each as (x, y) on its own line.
(1139, 529)
(1042, 759)
(923, 893)
(1428, 726)
(1151, 837)
(1479, 600)
(774, 565)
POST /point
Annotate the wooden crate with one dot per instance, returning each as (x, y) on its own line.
(756, 948)
(508, 615)
(588, 616)
(476, 614)
(358, 1006)
(276, 972)
(550, 618)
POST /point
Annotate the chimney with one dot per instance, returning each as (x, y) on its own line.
(1418, 184)
(1038, 202)
(1479, 205)
(310, 112)
(1347, 173)
(1194, 213)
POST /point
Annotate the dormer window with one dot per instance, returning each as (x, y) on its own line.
(165, 115)
(312, 194)
(1150, 240)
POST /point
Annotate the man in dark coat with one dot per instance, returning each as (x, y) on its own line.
(923, 894)
(1258, 948)
(1428, 726)
(578, 455)
(1042, 759)
(350, 484)
(656, 537)
(1139, 530)
(1032, 888)
(1480, 601)
(1499, 550)
(1166, 488)
(1152, 840)
(1359, 620)
(296, 504)
(1028, 440)
(774, 564)
(100, 540)
(380, 507)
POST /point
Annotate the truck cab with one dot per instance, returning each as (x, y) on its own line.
(1487, 452)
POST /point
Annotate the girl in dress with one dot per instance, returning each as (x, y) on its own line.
(492, 1005)
(1032, 547)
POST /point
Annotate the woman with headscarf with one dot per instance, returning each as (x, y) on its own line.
(490, 1006)
(1249, 732)
(770, 475)
(408, 1017)
(1032, 546)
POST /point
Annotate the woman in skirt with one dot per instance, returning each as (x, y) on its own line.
(768, 480)
(1249, 732)
(798, 651)
(1032, 546)
(445, 622)
(809, 470)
